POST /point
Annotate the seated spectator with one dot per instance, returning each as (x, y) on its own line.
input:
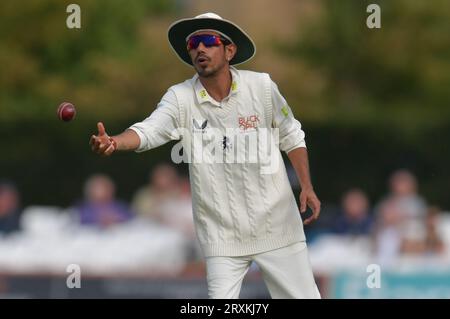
(434, 244)
(9, 208)
(403, 189)
(388, 233)
(354, 217)
(100, 207)
(163, 187)
(177, 212)
(414, 235)
(421, 237)
(166, 201)
(417, 226)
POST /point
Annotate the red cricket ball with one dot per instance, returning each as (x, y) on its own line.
(66, 111)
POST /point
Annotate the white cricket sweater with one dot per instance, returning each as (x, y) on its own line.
(237, 209)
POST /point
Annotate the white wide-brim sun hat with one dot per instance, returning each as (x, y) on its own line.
(181, 29)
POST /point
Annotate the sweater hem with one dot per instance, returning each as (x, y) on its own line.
(244, 248)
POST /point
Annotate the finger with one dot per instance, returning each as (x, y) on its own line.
(302, 203)
(101, 144)
(102, 148)
(109, 150)
(101, 129)
(94, 144)
(97, 146)
(315, 207)
(309, 220)
(97, 143)
(92, 140)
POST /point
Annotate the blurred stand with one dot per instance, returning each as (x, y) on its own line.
(409, 241)
(100, 235)
(126, 256)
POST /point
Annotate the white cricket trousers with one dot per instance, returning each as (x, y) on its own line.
(286, 271)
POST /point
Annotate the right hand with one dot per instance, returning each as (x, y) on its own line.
(102, 143)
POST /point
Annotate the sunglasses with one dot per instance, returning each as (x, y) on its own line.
(208, 41)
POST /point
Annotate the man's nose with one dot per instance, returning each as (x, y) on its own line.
(201, 47)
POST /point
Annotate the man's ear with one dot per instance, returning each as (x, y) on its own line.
(230, 51)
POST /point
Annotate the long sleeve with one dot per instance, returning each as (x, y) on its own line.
(161, 126)
(291, 134)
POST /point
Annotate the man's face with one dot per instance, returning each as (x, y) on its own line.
(208, 61)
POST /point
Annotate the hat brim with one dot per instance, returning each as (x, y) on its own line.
(180, 29)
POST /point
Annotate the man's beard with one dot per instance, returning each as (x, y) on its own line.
(208, 71)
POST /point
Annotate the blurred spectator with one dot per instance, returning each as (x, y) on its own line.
(434, 244)
(167, 201)
(421, 237)
(177, 212)
(404, 191)
(163, 187)
(355, 217)
(9, 208)
(414, 234)
(100, 206)
(401, 218)
(388, 233)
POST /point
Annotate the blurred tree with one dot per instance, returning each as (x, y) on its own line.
(107, 69)
(102, 67)
(396, 76)
(374, 100)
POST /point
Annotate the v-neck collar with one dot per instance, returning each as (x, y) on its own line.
(202, 94)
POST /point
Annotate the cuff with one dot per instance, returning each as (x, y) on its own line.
(143, 139)
(298, 145)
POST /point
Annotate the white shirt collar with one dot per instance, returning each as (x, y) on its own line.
(203, 96)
